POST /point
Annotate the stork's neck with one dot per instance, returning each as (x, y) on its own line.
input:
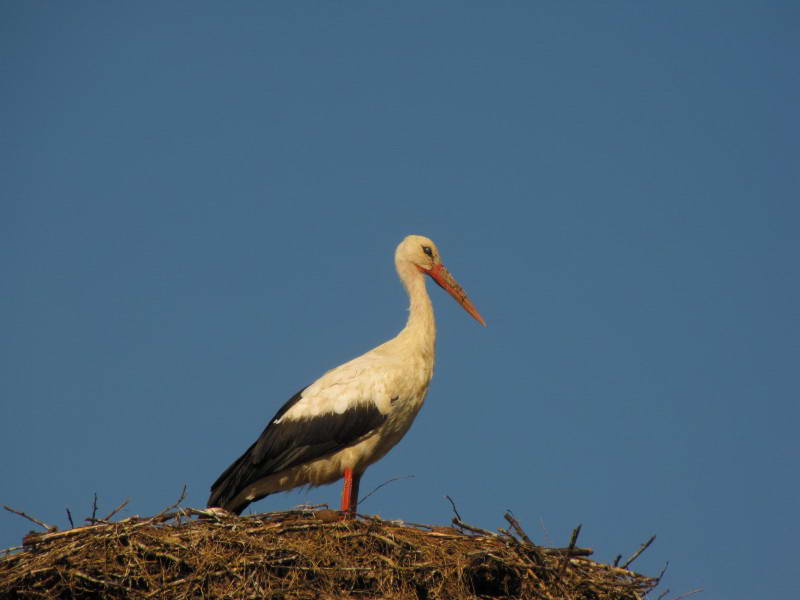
(420, 330)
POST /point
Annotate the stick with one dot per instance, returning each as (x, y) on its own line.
(664, 570)
(689, 593)
(570, 548)
(30, 518)
(94, 507)
(116, 510)
(181, 499)
(518, 528)
(455, 510)
(636, 554)
(547, 537)
(521, 533)
(162, 514)
(570, 552)
(473, 529)
(69, 516)
(385, 483)
(35, 538)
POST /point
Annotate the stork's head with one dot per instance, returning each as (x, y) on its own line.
(423, 254)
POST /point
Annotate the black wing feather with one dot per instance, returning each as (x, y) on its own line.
(287, 444)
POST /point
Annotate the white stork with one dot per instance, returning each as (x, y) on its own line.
(354, 414)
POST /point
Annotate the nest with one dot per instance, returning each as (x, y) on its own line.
(304, 554)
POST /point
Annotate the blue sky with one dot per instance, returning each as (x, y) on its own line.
(200, 204)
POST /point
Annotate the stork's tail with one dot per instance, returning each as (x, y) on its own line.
(228, 486)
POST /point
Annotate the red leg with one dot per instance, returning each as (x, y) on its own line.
(354, 494)
(350, 492)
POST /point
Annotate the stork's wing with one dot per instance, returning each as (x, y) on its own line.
(288, 442)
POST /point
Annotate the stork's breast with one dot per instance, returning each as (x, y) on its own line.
(404, 411)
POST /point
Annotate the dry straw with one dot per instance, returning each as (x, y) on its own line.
(309, 553)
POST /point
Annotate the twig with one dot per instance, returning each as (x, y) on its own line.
(36, 538)
(32, 519)
(169, 508)
(455, 510)
(165, 515)
(303, 509)
(521, 533)
(69, 516)
(689, 593)
(94, 508)
(571, 552)
(181, 499)
(547, 537)
(617, 559)
(636, 554)
(361, 501)
(662, 594)
(459, 523)
(660, 575)
(116, 510)
(570, 548)
(518, 528)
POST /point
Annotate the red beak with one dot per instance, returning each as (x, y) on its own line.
(448, 283)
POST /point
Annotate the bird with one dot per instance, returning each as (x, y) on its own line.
(353, 414)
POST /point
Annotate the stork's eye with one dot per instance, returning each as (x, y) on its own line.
(427, 250)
